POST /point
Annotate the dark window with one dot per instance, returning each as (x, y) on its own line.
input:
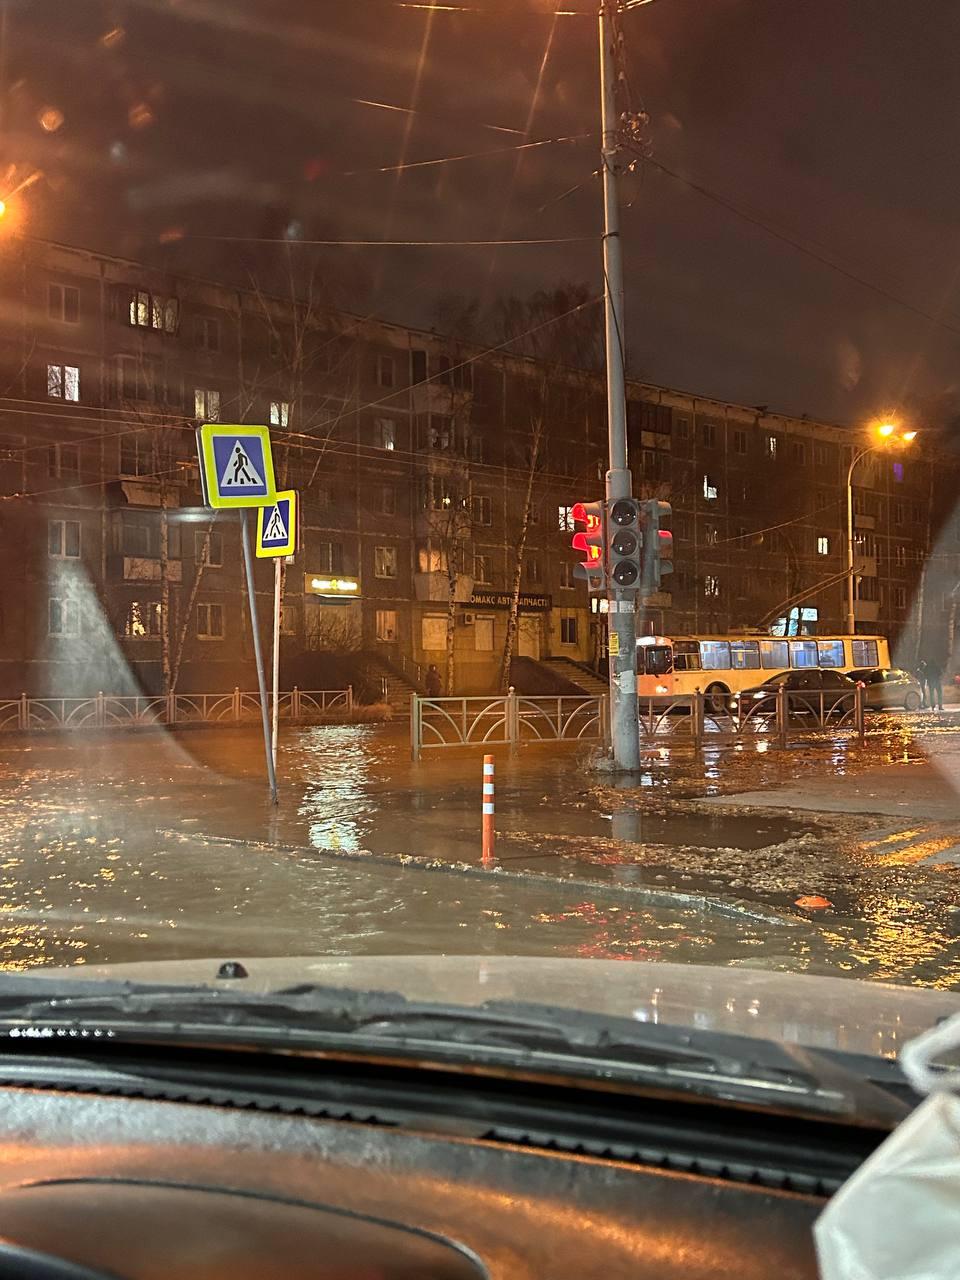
(568, 631)
(418, 366)
(63, 303)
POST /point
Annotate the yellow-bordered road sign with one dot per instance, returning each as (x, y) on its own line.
(236, 466)
(277, 526)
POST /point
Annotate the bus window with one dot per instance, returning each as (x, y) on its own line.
(715, 655)
(686, 655)
(744, 655)
(774, 655)
(803, 653)
(864, 653)
(831, 653)
(658, 660)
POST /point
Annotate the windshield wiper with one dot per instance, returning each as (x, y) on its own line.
(497, 1033)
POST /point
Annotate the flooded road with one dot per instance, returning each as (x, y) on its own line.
(146, 846)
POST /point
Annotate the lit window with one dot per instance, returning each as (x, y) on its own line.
(63, 539)
(206, 405)
(279, 413)
(143, 620)
(385, 562)
(63, 382)
(709, 489)
(210, 621)
(711, 585)
(149, 311)
(823, 545)
(565, 521)
(771, 446)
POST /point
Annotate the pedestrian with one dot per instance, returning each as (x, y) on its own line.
(922, 677)
(934, 673)
(433, 682)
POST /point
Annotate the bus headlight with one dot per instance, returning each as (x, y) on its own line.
(662, 688)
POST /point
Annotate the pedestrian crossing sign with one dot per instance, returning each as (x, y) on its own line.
(277, 526)
(236, 466)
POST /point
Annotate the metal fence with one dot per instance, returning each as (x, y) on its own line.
(514, 719)
(104, 711)
(506, 719)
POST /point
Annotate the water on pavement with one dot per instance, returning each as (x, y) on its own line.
(136, 846)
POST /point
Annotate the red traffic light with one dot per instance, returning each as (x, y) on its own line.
(581, 542)
(580, 515)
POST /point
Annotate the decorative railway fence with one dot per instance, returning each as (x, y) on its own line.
(104, 711)
(514, 720)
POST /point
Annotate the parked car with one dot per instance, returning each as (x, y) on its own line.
(891, 687)
(829, 694)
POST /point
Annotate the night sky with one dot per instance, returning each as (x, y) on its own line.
(159, 125)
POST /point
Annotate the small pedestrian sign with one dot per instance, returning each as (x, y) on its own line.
(236, 466)
(277, 526)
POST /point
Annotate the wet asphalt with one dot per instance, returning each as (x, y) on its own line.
(126, 846)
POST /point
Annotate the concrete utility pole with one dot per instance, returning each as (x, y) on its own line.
(621, 618)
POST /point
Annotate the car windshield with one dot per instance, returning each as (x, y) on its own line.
(398, 492)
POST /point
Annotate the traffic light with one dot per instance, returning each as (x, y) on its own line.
(590, 542)
(624, 543)
(657, 544)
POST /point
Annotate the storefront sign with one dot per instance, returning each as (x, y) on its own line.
(322, 584)
(504, 599)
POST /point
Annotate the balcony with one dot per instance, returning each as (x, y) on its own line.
(863, 522)
(436, 587)
(435, 397)
(147, 569)
(865, 566)
(866, 610)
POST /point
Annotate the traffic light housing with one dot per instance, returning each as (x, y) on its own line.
(624, 544)
(589, 541)
(657, 544)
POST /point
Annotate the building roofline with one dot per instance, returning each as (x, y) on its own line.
(758, 413)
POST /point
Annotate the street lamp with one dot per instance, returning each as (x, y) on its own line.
(890, 434)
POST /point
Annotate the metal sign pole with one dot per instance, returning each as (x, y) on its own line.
(258, 653)
(276, 659)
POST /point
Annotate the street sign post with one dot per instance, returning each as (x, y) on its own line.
(236, 471)
(278, 535)
(278, 526)
(236, 466)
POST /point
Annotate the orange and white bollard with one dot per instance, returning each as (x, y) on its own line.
(489, 835)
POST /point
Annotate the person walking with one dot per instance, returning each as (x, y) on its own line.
(433, 682)
(934, 674)
(922, 677)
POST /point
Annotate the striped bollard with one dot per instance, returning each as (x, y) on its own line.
(489, 835)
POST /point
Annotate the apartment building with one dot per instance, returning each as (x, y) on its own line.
(421, 462)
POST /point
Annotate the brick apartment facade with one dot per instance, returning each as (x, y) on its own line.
(407, 449)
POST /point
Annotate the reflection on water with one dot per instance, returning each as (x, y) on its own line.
(137, 846)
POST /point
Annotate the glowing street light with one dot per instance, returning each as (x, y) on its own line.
(890, 434)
